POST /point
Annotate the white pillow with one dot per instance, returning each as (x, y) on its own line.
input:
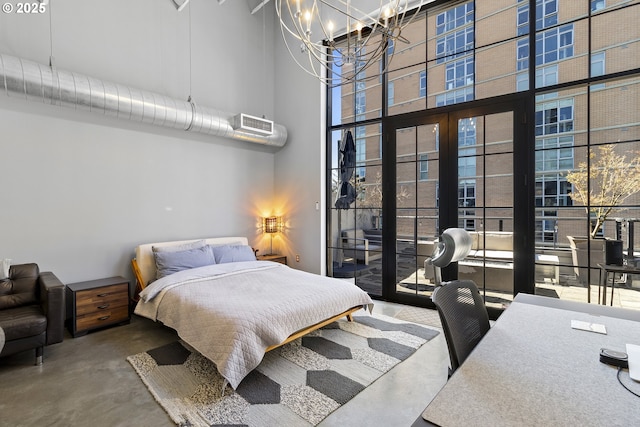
(4, 268)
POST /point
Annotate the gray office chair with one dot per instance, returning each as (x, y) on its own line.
(460, 306)
(464, 318)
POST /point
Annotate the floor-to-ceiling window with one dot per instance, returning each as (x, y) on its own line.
(579, 80)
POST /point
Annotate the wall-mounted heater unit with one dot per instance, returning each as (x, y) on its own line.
(252, 124)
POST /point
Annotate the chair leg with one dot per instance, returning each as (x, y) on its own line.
(39, 351)
(613, 285)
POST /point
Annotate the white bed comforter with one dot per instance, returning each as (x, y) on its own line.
(231, 313)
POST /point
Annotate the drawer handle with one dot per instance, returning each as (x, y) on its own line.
(104, 317)
(103, 295)
(102, 307)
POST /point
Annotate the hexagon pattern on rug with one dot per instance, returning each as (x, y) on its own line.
(340, 360)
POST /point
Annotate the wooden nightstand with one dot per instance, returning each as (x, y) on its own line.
(97, 303)
(282, 259)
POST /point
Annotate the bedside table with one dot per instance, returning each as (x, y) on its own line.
(97, 303)
(282, 259)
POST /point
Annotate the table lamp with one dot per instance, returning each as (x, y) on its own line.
(271, 225)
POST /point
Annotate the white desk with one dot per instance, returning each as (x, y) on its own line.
(532, 368)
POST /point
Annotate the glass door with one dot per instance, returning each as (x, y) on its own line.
(457, 170)
(417, 213)
(485, 203)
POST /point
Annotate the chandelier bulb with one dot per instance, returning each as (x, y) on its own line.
(307, 17)
(341, 43)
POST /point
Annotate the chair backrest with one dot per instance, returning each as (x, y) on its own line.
(464, 318)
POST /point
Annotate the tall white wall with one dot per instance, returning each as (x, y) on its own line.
(300, 166)
(79, 191)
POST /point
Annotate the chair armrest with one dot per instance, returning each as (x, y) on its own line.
(355, 240)
(52, 301)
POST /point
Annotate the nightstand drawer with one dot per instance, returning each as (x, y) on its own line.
(102, 318)
(97, 303)
(98, 299)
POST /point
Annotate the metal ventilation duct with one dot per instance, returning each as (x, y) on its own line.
(21, 78)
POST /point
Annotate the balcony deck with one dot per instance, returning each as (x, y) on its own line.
(413, 281)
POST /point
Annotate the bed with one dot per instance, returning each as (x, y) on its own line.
(237, 309)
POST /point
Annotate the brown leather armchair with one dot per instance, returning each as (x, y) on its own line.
(32, 311)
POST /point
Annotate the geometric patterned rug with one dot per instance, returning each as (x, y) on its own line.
(419, 315)
(298, 384)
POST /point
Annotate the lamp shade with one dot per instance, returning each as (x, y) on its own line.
(271, 224)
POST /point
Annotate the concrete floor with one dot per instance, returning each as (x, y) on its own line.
(87, 381)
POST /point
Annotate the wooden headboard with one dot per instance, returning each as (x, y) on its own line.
(144, 264)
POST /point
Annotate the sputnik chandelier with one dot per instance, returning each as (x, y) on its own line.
(338, 39)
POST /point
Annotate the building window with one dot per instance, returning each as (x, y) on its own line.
(424, 167)
(467, 133)
(553, 156)
(455, 97)
(597, 69)
(454, 45)
(390, 93)
(597, 5)
(554, 117)
(466, 165)
(546, 15)
(523, 20)
(554, 45)
(423, 84)
(467, 195)
(467, 199)
(459, 74)
(361, 104)
(547, 76)
(554, 153)
(551, 46)
(552, 191)
(454, 18)
(522, 55)
(597, 64)
(546, 229)
(522, 82)
(454, 28)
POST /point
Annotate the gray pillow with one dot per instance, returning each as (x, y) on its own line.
(171, 262)
(177, 248)
(233, 253)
